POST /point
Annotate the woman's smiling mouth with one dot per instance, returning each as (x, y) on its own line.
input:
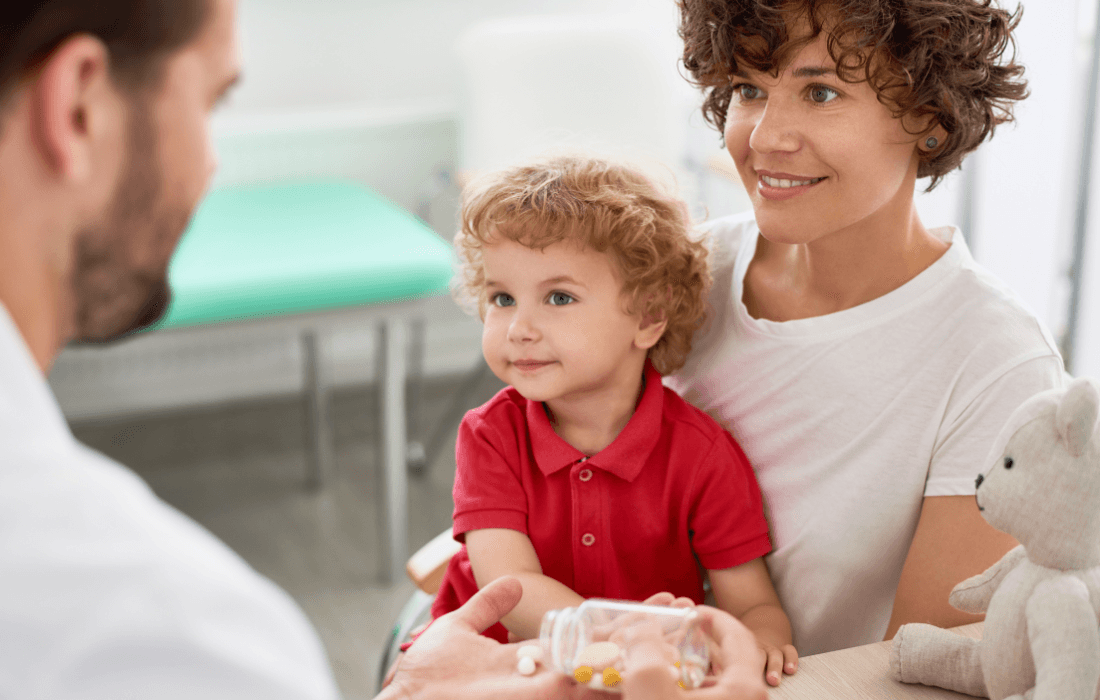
(777, 182)
(779, 186)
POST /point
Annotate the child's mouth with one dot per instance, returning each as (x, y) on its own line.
(528, 365)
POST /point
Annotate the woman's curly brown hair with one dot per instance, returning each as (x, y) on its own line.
(601, 205)
(945, 59)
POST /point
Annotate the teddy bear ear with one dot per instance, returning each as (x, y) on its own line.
(1076, 415)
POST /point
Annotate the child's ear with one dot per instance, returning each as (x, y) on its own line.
(649, 332)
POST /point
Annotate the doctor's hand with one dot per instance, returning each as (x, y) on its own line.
(735, 661)
(452, 660)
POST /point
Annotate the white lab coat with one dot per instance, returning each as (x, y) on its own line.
(108, 593)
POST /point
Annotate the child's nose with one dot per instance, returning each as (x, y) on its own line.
(523, 327)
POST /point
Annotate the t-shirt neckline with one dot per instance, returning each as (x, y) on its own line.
(858, 317)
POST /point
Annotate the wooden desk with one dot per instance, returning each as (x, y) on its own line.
(860, 672)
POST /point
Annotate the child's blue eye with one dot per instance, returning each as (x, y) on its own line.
(503, 299)
(822, 94)
(560, 299)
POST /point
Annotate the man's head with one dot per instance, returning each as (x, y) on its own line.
(600, 206)
(935, 63)
(105, 150)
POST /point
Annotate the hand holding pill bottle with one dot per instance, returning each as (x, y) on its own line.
(592, 642)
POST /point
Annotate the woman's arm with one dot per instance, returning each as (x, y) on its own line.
(496, 552)
(952, 543)
(747, 593)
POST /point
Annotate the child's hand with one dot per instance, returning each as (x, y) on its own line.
(665, 598)
(779, 659)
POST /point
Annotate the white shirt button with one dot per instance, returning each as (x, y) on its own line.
(588, 539)
(585, 474)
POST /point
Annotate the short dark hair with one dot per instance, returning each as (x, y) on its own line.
(139, 34)
(945, 59)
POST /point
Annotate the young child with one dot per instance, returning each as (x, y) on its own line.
(586, 477)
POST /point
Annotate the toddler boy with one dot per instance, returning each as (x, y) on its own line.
(586, 477)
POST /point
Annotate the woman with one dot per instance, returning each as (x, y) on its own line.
(863, 361)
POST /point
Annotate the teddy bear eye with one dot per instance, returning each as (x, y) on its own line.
(1008, 463)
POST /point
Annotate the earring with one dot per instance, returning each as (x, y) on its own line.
(931, 142)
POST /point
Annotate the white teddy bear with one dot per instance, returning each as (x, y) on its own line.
(1042, 599)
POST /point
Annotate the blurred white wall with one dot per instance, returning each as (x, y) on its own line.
(324, 53)
(370, 89)
(398, 56)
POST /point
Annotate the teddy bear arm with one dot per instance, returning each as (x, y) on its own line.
(973, 594)
(1065, 641)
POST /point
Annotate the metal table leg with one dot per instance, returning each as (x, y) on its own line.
(318, 425)
(391, 358)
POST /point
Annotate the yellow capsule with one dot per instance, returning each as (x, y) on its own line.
(676, 664)
(611, 677)
(583, 674)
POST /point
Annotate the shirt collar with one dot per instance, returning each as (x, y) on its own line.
(626, 454)
(27, 406)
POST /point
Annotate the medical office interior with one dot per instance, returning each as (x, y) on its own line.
(271, 432)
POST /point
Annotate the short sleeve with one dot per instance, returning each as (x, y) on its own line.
(727, 519)
(964, 442)
(488, 490)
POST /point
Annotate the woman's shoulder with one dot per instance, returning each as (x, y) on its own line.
(986, 309)
(725, 236)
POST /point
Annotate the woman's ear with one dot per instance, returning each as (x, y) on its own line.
(931, 139)
(649, 332)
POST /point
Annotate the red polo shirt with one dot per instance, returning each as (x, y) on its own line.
(625, 523)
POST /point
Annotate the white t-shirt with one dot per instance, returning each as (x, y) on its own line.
(107, 593)
(852, 418)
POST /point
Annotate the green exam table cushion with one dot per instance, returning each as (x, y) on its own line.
(272, 250)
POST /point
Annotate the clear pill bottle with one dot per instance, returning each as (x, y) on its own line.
(592, 642)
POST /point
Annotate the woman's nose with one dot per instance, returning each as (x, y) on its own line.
(776, 129)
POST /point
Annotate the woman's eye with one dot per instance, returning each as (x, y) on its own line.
(746, 92)
(560, 299)
(503, 299)
(822, 94)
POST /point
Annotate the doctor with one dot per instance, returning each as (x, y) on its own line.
(105, 591)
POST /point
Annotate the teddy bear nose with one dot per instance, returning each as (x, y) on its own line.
(978, 481)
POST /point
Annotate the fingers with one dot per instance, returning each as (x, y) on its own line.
(682, 602)
(650, 676)
(736, 644)
(773, 665)
(790, 659)
(662, 598)
(490, 604)
(392, 670)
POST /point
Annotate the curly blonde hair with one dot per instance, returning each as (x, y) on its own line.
(605, 206)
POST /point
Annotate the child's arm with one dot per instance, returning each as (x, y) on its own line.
(747, 593)
(496, 552)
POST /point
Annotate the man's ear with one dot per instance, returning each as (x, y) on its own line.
(70, 101)
(649, 332)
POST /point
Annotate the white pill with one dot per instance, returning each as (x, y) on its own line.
(526, 665)
(530, 651)
(598, 655)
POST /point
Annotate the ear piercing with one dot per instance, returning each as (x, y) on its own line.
(931, 142)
